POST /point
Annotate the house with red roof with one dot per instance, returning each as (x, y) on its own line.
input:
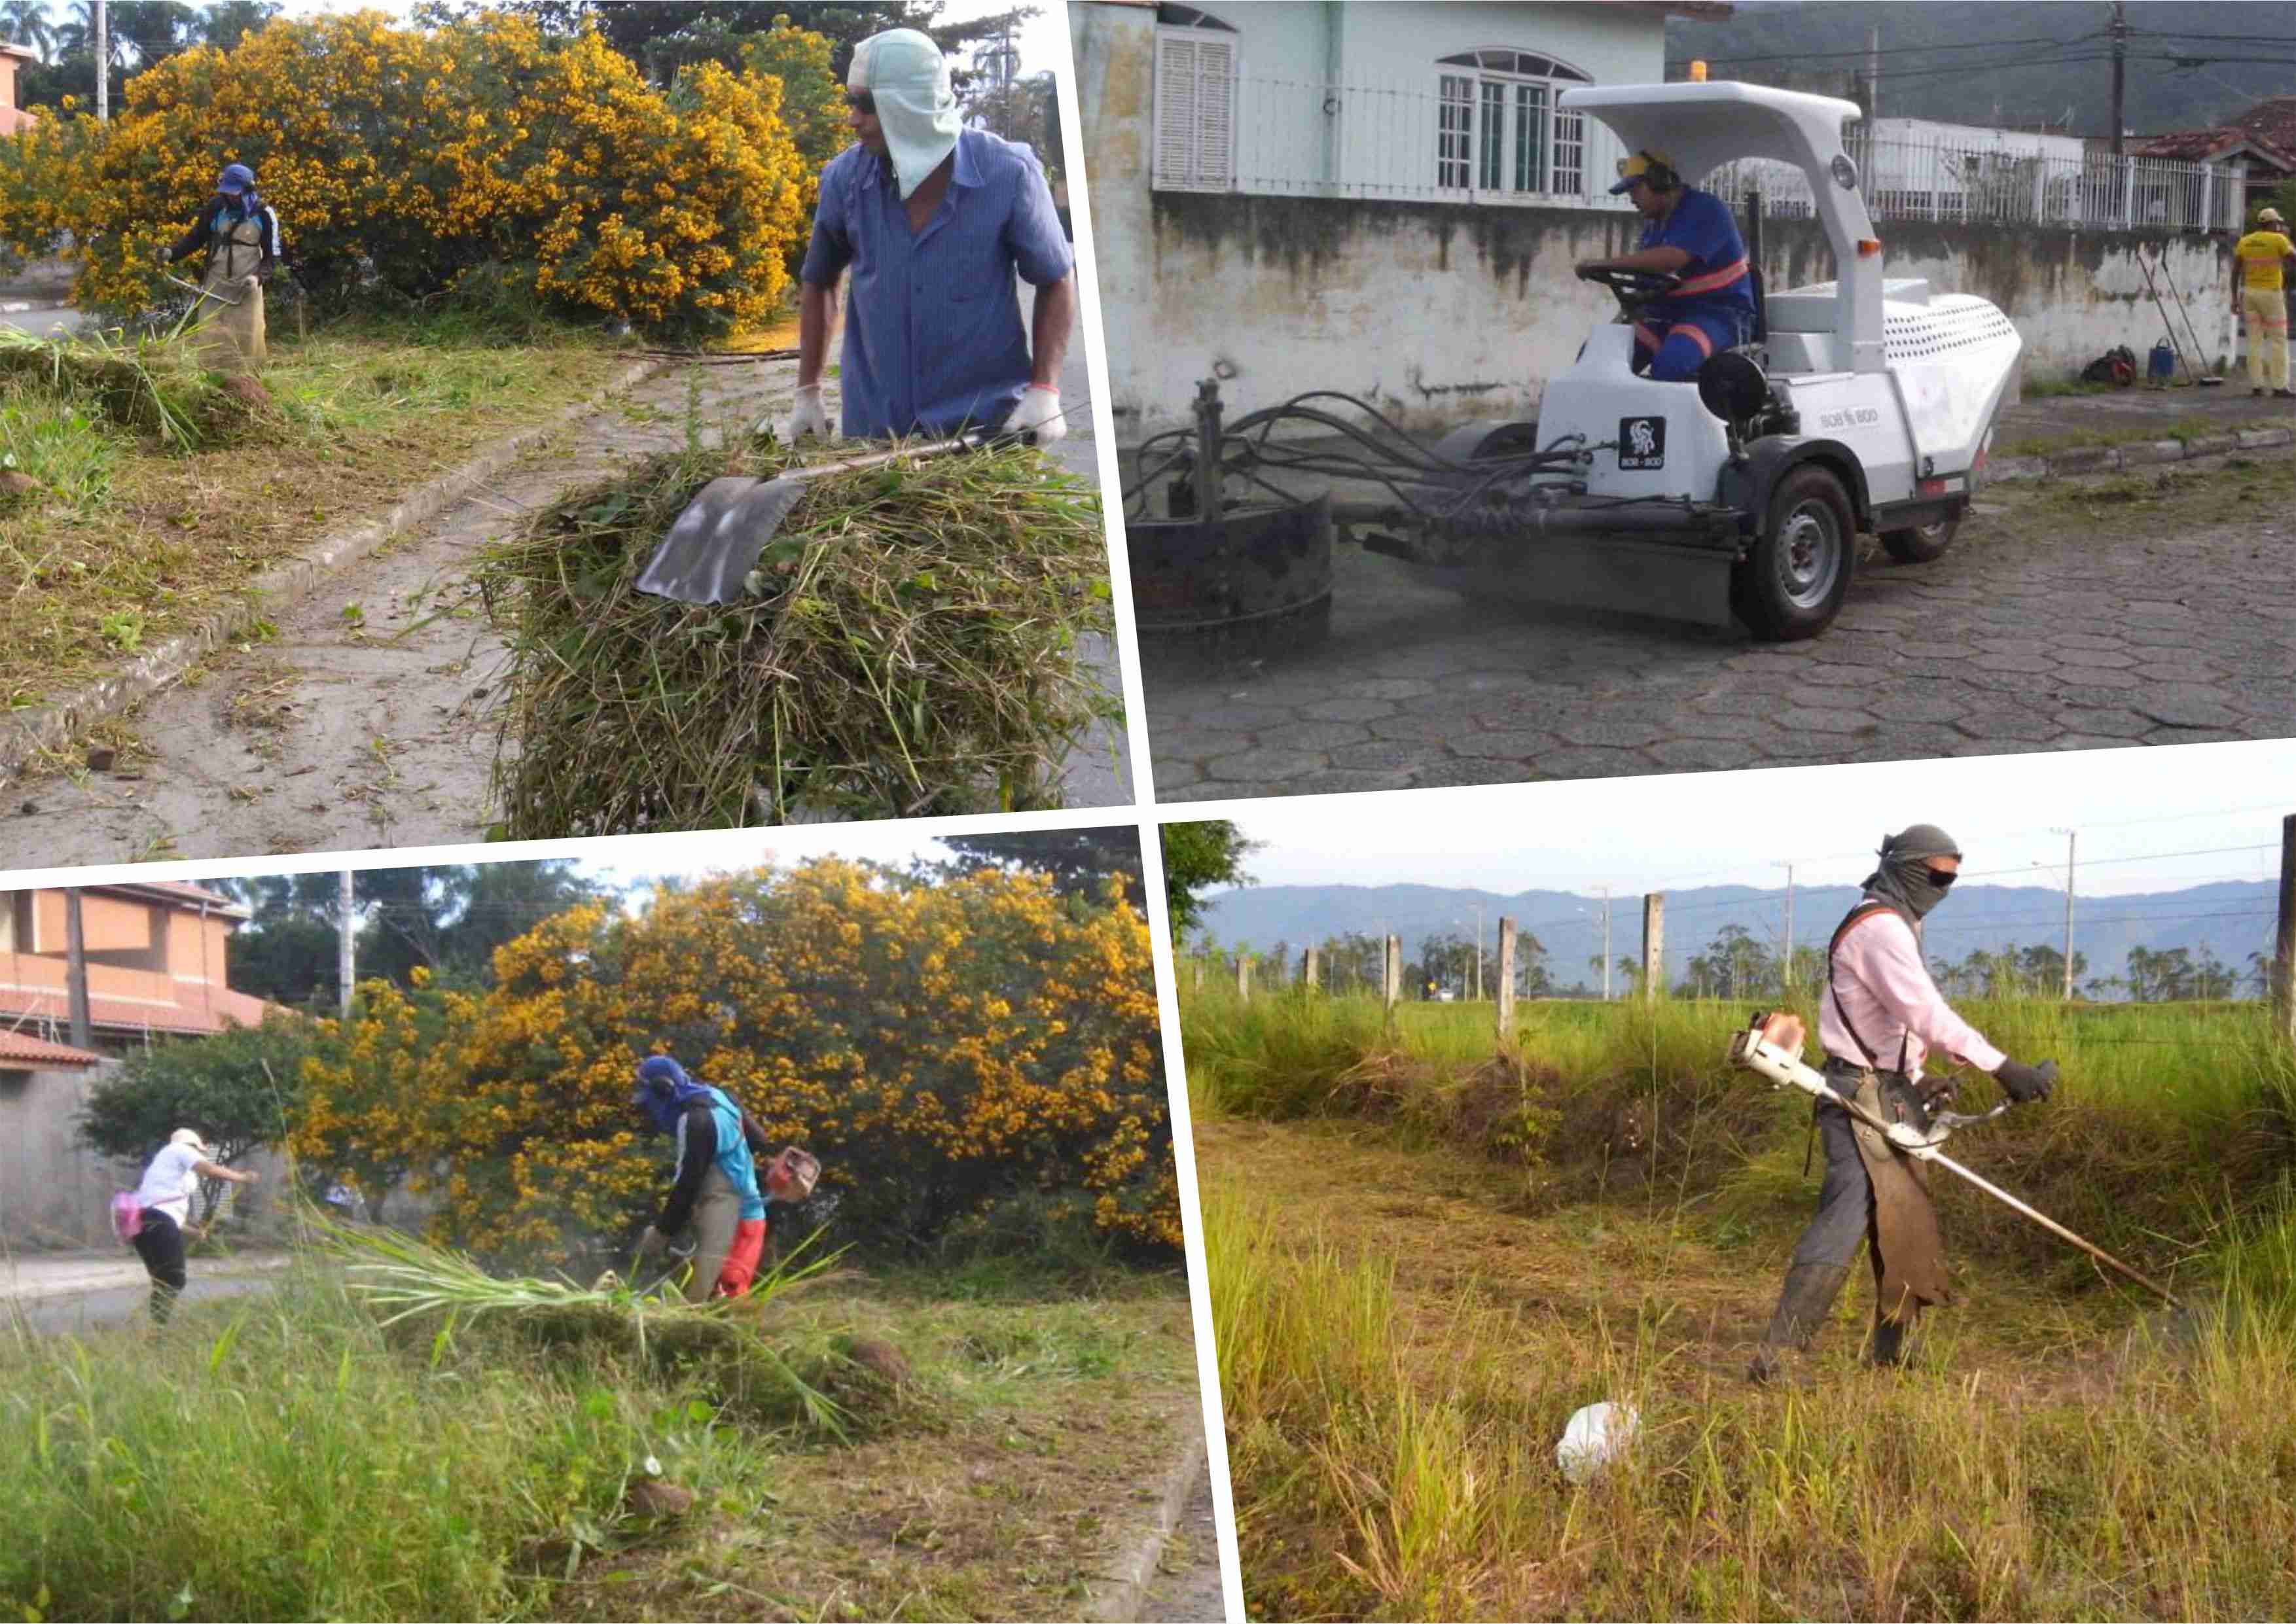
(158, 957)
(2261, 142)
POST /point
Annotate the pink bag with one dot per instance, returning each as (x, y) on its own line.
(127, 1216)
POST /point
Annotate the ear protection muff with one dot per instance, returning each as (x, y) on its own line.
(1659, 172)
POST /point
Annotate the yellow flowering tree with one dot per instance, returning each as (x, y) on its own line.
(427, 153)
(946, 1049)
(355, 1115)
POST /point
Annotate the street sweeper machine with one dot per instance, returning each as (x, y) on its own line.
(1859, 404)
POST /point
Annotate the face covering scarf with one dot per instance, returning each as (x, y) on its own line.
(1903, 880)
(916, 107)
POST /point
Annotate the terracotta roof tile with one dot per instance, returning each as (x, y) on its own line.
(18, 1050)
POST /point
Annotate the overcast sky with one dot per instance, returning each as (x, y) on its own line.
(2134, 810)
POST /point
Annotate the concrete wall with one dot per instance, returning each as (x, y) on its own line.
(54, 1192)
(1440, 312)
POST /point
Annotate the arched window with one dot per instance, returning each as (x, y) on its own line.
(1497, 131)
(1195, 101)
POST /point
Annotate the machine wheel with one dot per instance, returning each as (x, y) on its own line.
(1792, 585)
(1924, 544)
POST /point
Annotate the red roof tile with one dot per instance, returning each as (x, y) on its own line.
(2272, 120)
(19, 1052)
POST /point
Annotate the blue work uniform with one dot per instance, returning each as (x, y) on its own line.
(934, 336)
(709, 1135)
(1713, 307)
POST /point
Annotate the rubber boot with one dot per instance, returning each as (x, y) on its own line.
(1894, 1338)
(1810, 1289)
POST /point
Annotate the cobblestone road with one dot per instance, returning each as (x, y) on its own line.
(2145, 608)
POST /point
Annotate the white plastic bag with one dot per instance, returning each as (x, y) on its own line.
(1598, 1435)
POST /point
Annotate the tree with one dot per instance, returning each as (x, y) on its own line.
(226, 23)
(1734, 965)
(237, 1088)
(1081, 862)
(1197, 855)
(668, 32)
(25, 22)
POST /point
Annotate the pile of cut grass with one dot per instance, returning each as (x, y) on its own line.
(914, 650)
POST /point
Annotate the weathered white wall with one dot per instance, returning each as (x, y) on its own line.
(53, 1190)
(1440, 312)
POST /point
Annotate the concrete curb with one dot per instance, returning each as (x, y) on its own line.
(1135, 1570)
(2135, 454)
(53, 725)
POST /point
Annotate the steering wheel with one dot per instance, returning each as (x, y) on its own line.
(1635, 288)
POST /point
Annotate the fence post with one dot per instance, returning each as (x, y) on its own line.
(1244, 978)
(1196, 972)
(1310, 969)
(1507, 980)
(1653, 943)
(2283, 950)
(1393, 975)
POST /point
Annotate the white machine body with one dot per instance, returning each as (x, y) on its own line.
(1908, 380)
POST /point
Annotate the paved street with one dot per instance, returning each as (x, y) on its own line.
(2156, 607)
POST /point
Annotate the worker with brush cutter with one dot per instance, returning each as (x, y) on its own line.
(241, 235)
(157, 1216)
(1880, 1002)
(717, 1185)
(934, 221)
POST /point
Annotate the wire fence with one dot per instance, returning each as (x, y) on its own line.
(1469, 138)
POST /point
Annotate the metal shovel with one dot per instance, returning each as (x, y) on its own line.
(717, 540)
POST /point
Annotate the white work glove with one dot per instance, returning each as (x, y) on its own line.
(808, 417)
(1038, 413)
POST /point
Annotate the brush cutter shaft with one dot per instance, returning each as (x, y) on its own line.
(1748, 1049)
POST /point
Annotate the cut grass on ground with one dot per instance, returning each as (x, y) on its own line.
(284, 1458)
(128, 543)
(1401, 1345)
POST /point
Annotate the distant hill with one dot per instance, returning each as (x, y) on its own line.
(1811, 47)
(2232, 919)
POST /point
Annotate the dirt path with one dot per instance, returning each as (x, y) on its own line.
(365, 723)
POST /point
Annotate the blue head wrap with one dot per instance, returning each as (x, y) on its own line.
(237, 183)
(665, 1105)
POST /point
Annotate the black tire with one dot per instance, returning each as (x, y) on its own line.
(1924, 544)
(1790, 586)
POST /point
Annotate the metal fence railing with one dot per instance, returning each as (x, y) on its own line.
(1467, 138)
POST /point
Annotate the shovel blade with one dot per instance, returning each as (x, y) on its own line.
(717, 540)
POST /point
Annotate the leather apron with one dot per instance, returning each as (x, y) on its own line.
(1908, 1250)
(231, 332)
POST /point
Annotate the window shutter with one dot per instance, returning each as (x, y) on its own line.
(1195, 112)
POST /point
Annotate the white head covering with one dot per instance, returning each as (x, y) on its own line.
(185, 1136)
(916, 106)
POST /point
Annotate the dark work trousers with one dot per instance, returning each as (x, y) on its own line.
(1845, 1200)
(159, 1243)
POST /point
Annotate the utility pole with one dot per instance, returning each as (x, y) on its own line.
(343, 935)
(103, 64)
(2120, 32)
(2070, 838)
(1873, 73)
(1606, 944)
(2284, 953)
(1786, 977)
(1479, 952)
(83, 1033)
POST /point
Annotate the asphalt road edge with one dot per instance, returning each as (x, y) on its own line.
(1134, 1569)
(53, 725)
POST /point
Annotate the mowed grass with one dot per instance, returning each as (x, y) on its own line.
(1406, 1320)
(285, 1458)
(131, 537)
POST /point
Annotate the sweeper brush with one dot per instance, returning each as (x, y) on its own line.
(906, 644)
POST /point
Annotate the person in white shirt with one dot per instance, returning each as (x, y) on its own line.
(1881, 1019)
(170, 1185)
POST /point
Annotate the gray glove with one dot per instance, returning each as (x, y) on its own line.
(2027, 1083)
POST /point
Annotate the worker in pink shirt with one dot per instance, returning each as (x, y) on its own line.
(1882, 1018)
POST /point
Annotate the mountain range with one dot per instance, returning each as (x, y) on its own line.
(2231, 918)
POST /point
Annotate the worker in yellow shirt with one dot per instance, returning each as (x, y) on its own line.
(2257, 260)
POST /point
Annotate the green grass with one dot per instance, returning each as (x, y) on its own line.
(1409, 1309)
(161, 495)
(287, 1457)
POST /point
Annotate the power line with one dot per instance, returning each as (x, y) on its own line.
(1861, 52)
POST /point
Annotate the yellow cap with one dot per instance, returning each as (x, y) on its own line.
(1698, 73)
(1635, 166)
